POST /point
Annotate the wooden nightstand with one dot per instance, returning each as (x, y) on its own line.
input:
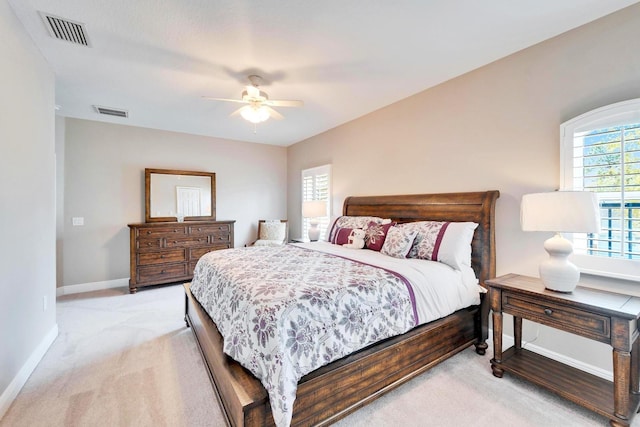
(601, 316)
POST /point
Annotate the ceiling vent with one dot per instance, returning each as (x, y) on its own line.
(64, 29)
(111, 111)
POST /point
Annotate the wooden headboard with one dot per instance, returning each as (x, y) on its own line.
(476, 207)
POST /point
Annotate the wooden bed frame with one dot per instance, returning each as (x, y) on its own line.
(339, 388)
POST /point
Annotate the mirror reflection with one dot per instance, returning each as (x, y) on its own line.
(180, 195)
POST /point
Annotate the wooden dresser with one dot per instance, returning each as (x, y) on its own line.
(166, 252)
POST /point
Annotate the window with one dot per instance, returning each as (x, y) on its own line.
(316, 185)
(600, 152)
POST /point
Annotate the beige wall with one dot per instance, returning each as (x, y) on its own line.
(104, 184)
(494, 128)
(27, 194)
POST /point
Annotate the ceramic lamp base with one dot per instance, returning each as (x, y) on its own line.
(314, 232)
(557, 272)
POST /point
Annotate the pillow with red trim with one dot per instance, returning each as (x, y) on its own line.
(446, 242)
(350, 222)
(375, 235)
(341, 236)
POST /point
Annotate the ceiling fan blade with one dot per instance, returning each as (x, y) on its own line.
(210, 98)
(239, 111)
(273, 113)
(284, 102)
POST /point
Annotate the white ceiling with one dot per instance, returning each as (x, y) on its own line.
(344, 58)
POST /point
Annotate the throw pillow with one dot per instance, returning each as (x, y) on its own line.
(398, 242)
(375, 235)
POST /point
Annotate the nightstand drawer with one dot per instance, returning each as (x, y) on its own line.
(583, 323)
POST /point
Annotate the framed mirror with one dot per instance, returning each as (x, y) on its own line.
(173, 194)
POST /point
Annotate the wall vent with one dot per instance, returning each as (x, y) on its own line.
(111, 111)
(64, 29)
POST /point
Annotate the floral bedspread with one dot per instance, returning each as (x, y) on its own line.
(285, 311)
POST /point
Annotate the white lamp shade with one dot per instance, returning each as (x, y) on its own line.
(561, 211)
(314, 209)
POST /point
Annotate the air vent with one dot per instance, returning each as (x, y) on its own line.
(64, 29)
(111, 111)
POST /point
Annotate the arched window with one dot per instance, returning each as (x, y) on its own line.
(600, 152)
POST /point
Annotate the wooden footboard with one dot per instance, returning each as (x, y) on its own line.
(339, 388)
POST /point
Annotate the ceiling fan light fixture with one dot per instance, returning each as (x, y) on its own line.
(255, 114)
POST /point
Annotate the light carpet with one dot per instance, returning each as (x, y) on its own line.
(129, 360)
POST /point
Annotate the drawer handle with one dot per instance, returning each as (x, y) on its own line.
(162, 256)
(175, 231)
(199, 229)
(220, 238)
(220, 228)
(548, 311)
(200, 240)
(149, 244)
(149, 232)
(163, 271)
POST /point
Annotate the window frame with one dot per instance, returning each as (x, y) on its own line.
(324, 222)
(616, 114)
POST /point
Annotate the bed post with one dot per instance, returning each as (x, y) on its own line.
(487, 254)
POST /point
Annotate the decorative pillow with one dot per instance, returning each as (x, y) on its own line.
(273, 230)
(375, 235)
(446, 242)
(327, 233)
(398, 242)
(351, 222)
(341, 236)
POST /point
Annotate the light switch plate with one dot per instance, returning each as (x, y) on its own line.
(77, 220)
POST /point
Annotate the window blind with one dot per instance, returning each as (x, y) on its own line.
(607, 161)
(316, 185)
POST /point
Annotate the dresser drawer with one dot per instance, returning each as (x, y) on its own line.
(146, 232)
(186, 242)
(209, 229)
(196, 253)
(164, 273)
(143, 244)
(161, 257)
(558, 316)
(220, 239)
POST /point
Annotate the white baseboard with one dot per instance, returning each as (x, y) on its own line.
(508, 341)
(11, 392)
(92, 286)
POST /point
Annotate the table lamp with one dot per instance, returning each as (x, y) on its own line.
(560, 211)
(314, 209)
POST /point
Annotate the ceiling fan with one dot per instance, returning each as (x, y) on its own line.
(258, 108)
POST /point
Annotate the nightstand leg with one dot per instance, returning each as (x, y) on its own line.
(635, 365)
(497, 344)
(621, 374)
(517, 332)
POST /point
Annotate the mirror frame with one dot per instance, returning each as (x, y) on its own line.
(147, 195)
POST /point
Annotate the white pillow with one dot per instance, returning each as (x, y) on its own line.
(446, 242)
(273, 230)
